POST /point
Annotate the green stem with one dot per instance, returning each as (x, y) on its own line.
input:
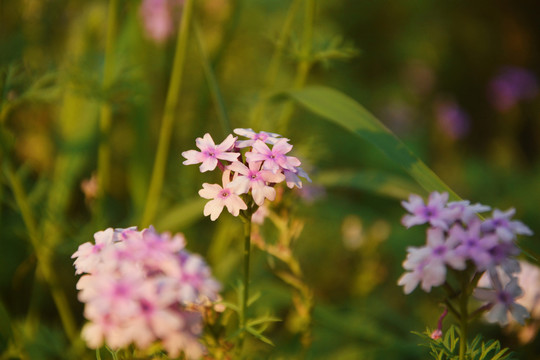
(464, 316)
(105, 117)
(171, 102)
(245, 295)
(304, 64)
(43, 255)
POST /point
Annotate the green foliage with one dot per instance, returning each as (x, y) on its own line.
(334, 106)
(447, 347)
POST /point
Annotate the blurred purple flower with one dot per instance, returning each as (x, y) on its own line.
(451, 118)
(511, 85)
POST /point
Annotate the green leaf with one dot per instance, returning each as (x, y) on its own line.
(346, 112)
(259, 336)
(378, 182)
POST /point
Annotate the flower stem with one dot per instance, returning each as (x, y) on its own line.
(464, 317)
(105, 117)
(245, 295)
(171, 102)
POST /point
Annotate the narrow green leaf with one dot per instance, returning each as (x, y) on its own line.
(262, 320)
(259, 336)
(346, 112)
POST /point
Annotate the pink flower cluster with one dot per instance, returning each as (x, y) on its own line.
(458, 239)
(252, 167)
(139, 287)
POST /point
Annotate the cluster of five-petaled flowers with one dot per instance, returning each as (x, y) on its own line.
(458, 239)
(249, 166)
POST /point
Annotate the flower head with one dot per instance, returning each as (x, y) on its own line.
(259, 165)
(510, 86)
(137, 290)
(210, 153)
(503, 300)
(226, 196)
(434, 212)
(428, 264)
(505, 228)
(267, 137)
(273, 159)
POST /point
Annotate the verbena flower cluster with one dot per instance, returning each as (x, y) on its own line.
(140, 287)
(458, 239)
(253, 167)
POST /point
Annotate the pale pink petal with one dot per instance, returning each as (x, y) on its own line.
(228, 156)
(209, 191)
(213, 208)
(227, 144)
(234, 204)
(239, 168)
(208, 164)
(261, 148)
(240, 185)
(205, 142)
(282, 146)
(255, 157)
(193, 157)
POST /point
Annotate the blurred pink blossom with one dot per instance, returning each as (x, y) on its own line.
(138, 287)
(159, 16)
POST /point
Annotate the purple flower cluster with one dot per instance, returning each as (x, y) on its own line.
(252, 166)
(458, 239)
(512, 85)
(141, 288)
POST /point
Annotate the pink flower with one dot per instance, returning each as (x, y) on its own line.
(210, 153)
(140, 292)
(255, 179)
(274, 159)
(293, 179)
(434, 212)
(222, 196)
(505, 229)
(157, 19)
(503, 300)
(428, 264)
(267, 137)
(259, 215)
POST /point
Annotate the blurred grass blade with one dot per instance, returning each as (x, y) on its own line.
(374, 181)
(344, 111)
(182, 215)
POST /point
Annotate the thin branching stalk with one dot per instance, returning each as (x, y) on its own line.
(275, 62)
(105, 118)
(171, 102)
(304, 65)
(212, 83)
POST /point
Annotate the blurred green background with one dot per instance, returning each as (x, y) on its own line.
(431, 71)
